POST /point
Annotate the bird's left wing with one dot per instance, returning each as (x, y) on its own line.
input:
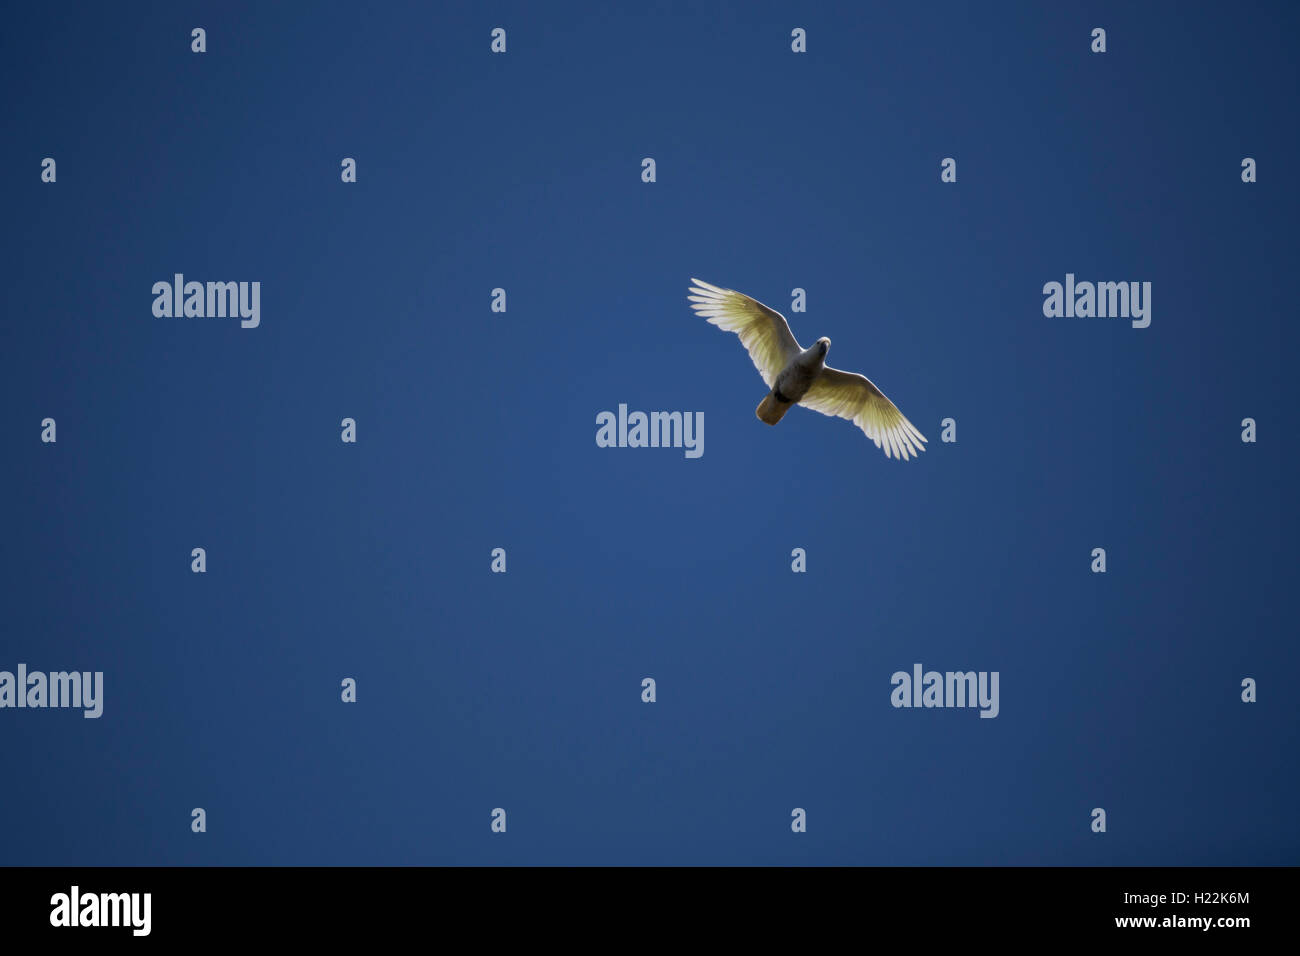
(852, 396)
(762, 331)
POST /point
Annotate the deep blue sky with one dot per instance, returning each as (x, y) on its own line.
(476, 431)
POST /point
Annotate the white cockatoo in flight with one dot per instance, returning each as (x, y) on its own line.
(799, 376)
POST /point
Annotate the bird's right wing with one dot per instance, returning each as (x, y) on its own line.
(762, 331)
(853, 396)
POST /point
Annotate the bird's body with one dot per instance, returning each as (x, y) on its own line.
(793, 382)
(799, 376)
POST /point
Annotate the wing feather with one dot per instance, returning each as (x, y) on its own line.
(853, 396)
(763, 331)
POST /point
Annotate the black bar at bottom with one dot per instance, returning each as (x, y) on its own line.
(342, 905)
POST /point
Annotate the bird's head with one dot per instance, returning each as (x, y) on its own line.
(824, 344)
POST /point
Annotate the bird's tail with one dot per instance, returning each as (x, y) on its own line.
(771, 409)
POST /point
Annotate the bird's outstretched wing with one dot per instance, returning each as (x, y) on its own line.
(762, 331)
(852, 396)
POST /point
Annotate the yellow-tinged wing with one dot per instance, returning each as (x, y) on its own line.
(852, 396)
(763, 331)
